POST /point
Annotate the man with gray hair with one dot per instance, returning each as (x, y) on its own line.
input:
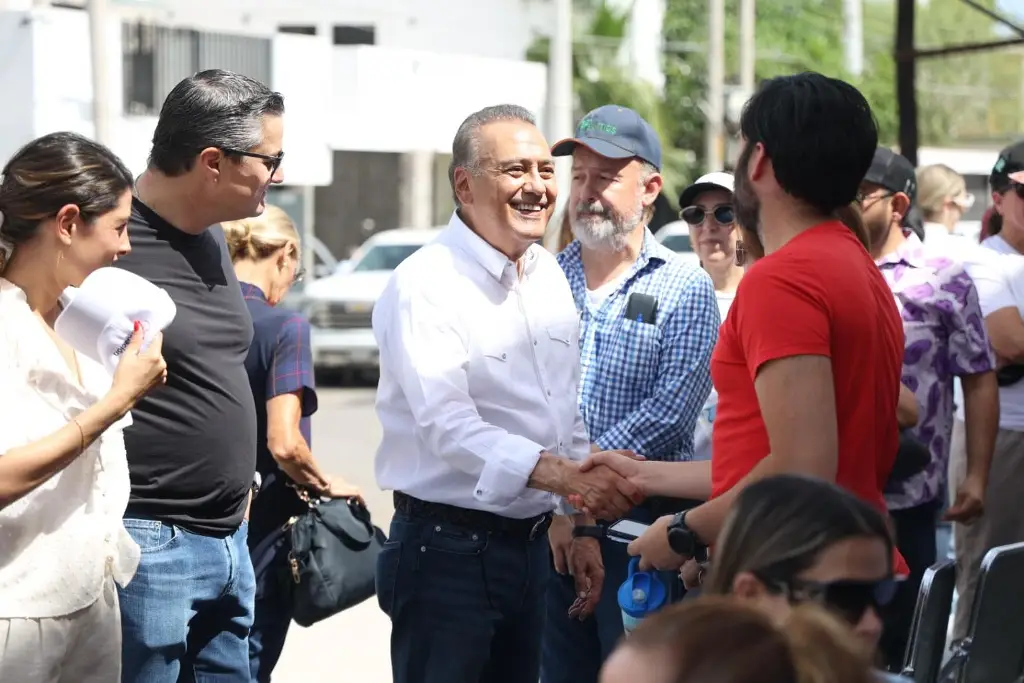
(192, 447)
(482, 435)
(649, 322)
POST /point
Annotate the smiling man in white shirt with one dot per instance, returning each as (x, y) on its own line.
(479, 355)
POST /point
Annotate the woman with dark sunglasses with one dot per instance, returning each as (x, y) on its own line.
(792, 539)
(707, 208)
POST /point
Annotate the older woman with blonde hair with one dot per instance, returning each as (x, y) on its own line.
(943, 199)
(265, 252)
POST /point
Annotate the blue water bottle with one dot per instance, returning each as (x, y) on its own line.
(642, 593)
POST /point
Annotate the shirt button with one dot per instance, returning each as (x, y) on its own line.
(503, 356)
(549, 392)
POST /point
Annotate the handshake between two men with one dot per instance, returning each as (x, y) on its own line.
(595, 489)
(605, 487)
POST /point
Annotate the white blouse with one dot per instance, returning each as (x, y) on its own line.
(60, 542)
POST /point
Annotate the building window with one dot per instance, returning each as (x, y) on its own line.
(298, 30)
(355, 35)
(156, 58)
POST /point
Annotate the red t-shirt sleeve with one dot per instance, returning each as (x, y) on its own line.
(782, 315)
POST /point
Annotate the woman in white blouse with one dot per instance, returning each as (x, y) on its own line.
(65, 204)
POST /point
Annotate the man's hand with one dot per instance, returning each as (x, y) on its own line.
(623, 463)
(692, 574)
(587, 569)
(560, 539)
(969, 503)
(603, 493)
(654, 550)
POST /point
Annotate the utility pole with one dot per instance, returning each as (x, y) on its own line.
(561, 97)
(748, 46)
(853, 37)
(713, 137)
(100, 82)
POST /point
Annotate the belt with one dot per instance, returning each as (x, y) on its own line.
(477, 520)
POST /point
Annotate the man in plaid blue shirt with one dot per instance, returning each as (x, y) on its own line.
(649, 322)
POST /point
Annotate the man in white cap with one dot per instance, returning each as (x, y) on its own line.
(649, 322)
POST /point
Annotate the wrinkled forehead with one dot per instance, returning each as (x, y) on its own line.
(504, 142)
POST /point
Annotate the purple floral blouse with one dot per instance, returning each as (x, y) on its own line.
(946, 338)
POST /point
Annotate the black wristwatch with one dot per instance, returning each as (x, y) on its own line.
(588, 532)
(683, 540)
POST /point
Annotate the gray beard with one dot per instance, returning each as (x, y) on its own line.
(606, 234)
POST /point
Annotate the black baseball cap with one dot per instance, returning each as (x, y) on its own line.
(892, 171)
(1009, 168)
(614, 132)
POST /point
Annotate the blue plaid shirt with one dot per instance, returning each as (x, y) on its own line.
(643, 385)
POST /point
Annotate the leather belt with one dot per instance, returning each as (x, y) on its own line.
(477, 520)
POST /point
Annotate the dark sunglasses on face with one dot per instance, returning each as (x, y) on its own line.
(271, 162)
(846, 599)
(695, 215)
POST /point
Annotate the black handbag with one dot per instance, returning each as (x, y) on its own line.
(333, 557)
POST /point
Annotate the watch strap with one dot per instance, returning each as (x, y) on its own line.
(586, 531)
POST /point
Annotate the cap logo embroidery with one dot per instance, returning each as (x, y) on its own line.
(1000, 165)
(590, 124)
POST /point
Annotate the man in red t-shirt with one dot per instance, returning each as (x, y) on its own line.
(808, 361)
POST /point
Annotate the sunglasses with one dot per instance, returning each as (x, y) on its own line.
(271, 162)
(846, 599)
(695, 215)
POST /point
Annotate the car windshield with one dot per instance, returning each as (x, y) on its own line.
(385, 257)
(678, 243)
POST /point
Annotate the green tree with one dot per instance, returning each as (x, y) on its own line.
(967, 98)
(599, 79)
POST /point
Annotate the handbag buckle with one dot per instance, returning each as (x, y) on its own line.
(294, 564)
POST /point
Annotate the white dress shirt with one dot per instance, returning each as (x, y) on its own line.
(478, 374)
(60, 542)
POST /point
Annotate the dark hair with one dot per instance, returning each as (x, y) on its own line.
(465, 146)
(53, 171)
(780, 525)
(819, 133)
(213, 108)
(727, 641)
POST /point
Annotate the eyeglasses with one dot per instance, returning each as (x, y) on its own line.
(964, 201)
(300, 275)
(271, 162)
(846, 599)
(694, 215)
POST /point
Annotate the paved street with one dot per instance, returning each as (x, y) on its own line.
(352, 646)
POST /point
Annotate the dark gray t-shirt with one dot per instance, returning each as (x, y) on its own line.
(192, 447)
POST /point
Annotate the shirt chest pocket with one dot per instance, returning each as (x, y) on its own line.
(628, 352)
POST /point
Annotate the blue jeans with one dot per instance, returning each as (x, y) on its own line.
(186, 615)
(274, 606)
(465, 606)
(573, 650)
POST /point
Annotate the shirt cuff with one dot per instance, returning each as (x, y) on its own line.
(564, 508)
(507, 471)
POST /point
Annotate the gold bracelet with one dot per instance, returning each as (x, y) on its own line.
(81, 433)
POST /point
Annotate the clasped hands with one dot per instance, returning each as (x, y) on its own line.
(624, 470)
(607, 485)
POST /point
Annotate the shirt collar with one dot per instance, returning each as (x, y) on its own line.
(911, 252)
(490, 259)
(651, 251)
(251, 291)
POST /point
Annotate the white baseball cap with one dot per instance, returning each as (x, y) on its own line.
(718, 180)
(98, 318)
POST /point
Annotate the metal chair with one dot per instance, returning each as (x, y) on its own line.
(923, 659)
(993, 651)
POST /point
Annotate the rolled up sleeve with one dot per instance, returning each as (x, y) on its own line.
(423, 343)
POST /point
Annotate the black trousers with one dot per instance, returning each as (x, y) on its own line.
(915, 538)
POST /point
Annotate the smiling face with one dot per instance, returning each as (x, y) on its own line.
(508, 199)
(608, 198)
(88, 247)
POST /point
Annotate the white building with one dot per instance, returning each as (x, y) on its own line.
(374, 91)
